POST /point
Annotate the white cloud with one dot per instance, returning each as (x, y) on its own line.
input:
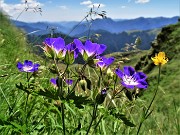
(123, 6)
(12, 9)
(63, 7)
(142, 1)
(88, 2)
(96, 5)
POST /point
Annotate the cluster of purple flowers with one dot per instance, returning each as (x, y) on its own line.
(55, 48)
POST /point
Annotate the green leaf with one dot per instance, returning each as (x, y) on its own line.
(79, 101)
(122, 117)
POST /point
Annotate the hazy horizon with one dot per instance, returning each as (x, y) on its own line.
(71, 10)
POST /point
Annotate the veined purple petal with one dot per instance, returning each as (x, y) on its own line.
(101, 64)
(79, 45)
(58, 44)
(140, 76)
(108, 61)
(119, 73)
(127, 85)
(142, 84)
(100, 49)
(90, 48)
(129, 70)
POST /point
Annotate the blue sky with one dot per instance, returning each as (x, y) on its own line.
(75, 10)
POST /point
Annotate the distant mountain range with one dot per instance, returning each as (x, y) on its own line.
(108, 24)
(113, 33)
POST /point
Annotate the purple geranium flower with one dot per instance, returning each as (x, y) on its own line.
(91, 49)
(104, 62)
(131, 78)
(69, 81)
(54, 81)
(57, 44)
(72, 48)
(54, 47)
(28, 66)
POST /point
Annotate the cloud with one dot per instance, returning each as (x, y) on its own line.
(63, 7)
(96, 5)
(142, 1)
(123, 6)
(88, 2)
(12, 9)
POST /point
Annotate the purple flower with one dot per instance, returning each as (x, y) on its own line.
(104, 62)
(69, 81)
(57, 44)
(54, 81)
(72, 48)
(131, 78)
(103, 92)
(28, 66)
(90, 49)
(54, 47)
(93, 49)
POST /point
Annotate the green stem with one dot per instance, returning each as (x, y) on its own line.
(93, 117)
(146, 113)
(63, 122)
(6, 99)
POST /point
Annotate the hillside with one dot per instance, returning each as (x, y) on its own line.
(167, 102)
(13, 46)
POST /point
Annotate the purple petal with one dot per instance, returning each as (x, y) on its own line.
(28, 63)
(127, 86)
(79, 45)
(103, 92)
(58, 44)
(100, 49)
(101, 64)
(90, 48)
(108, 61)
(54, 81)
(119, 73)
(129, 70)
(20, 66)
(69, 81)
(142, 84)
(140, 76)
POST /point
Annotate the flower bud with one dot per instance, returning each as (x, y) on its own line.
(101, 96)
(83, 84)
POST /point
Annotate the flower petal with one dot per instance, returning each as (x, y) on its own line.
(128, 70)
(142, 84)
(140, 76)
(119, 73)
(79, 45)
(90, 48)
(54, 81)
(127, 85)
(100, 49)
(58, 44)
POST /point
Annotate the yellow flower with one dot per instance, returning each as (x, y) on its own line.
(160, 59)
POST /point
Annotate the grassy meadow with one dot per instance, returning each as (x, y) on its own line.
(39, 112)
